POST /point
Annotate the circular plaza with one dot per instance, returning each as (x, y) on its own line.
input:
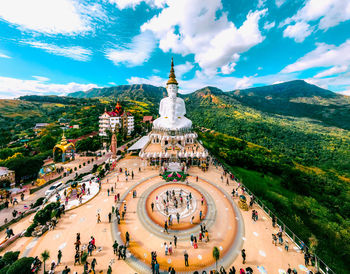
(188, 209)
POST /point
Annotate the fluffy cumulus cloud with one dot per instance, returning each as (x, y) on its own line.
(136, 53)
(323, 56)
(13, 87)
(197, 29)
(51, 16)
(325, 13)
(75, 52)
(299, 31)
(183, 69)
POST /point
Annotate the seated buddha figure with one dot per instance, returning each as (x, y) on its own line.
(172, 109)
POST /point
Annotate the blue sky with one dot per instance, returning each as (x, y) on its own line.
(62, 46)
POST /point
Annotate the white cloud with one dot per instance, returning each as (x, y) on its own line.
(323, 56)
(196, 29)
(270, 25)
(344, 92)
(122, 4)
(136, 53)
(332, 71)
(153, 80)
(325, 13)
(75, 52)
(299, 31)
(51, 16)
(13, 87)
(3, 55)
(112, 83)
(261, 4)
(279, 3)
(182, 69)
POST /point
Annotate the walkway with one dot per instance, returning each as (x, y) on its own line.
(262, 255)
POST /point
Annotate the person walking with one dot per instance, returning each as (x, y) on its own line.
(98, 218)
(152, 206)
(59, 257)
(200, 215)
(115, 247)
(175, 240)
(109, 217)
(109, 270)
(108, 191)
(93, 264)
(244, 256)
(178, 217)
(286, 245)
(186, 258)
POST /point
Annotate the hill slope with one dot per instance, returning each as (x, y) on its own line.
(141, 92)
(300, 99)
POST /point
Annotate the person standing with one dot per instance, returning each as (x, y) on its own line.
(109, 271)
(200, 215)
(152, 206)
(59, 257)
(115, 247)
(244, 256)
(98, 218)
(166, 227)
(127, 238)
(175, 240)
(108, 191)
(166, 249)
(156, 268)
(178, 217)
(109, 217)
(186, 258)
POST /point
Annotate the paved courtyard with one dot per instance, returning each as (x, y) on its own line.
(229, 228)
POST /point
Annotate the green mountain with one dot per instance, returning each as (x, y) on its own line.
(143, 93)
(299, 99)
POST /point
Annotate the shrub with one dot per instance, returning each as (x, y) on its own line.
(75, 168)
(21, 266)
(88, 161)
(44, 215)
(39, 202)
(84, 164)
(79, 166)
(94, 168)
(10, 257)
(30, 229)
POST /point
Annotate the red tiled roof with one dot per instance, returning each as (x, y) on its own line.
(147, 119)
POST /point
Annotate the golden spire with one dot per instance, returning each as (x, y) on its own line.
(64, 140)
(172, 77)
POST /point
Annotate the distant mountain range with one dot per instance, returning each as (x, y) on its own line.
(295, 98)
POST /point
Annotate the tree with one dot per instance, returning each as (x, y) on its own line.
(21, 266)
(216, 255)
(45, 256)
(47, 142)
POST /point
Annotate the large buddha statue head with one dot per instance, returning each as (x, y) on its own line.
(172, 85)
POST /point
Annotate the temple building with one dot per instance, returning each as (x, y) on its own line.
(115, 120)
(172, 138)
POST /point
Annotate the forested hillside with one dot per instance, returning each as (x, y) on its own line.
(303, 140)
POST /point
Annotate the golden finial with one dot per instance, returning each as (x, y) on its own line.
(172, 78)
(64, 140)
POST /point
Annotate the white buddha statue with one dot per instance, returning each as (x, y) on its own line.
(172, 108)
